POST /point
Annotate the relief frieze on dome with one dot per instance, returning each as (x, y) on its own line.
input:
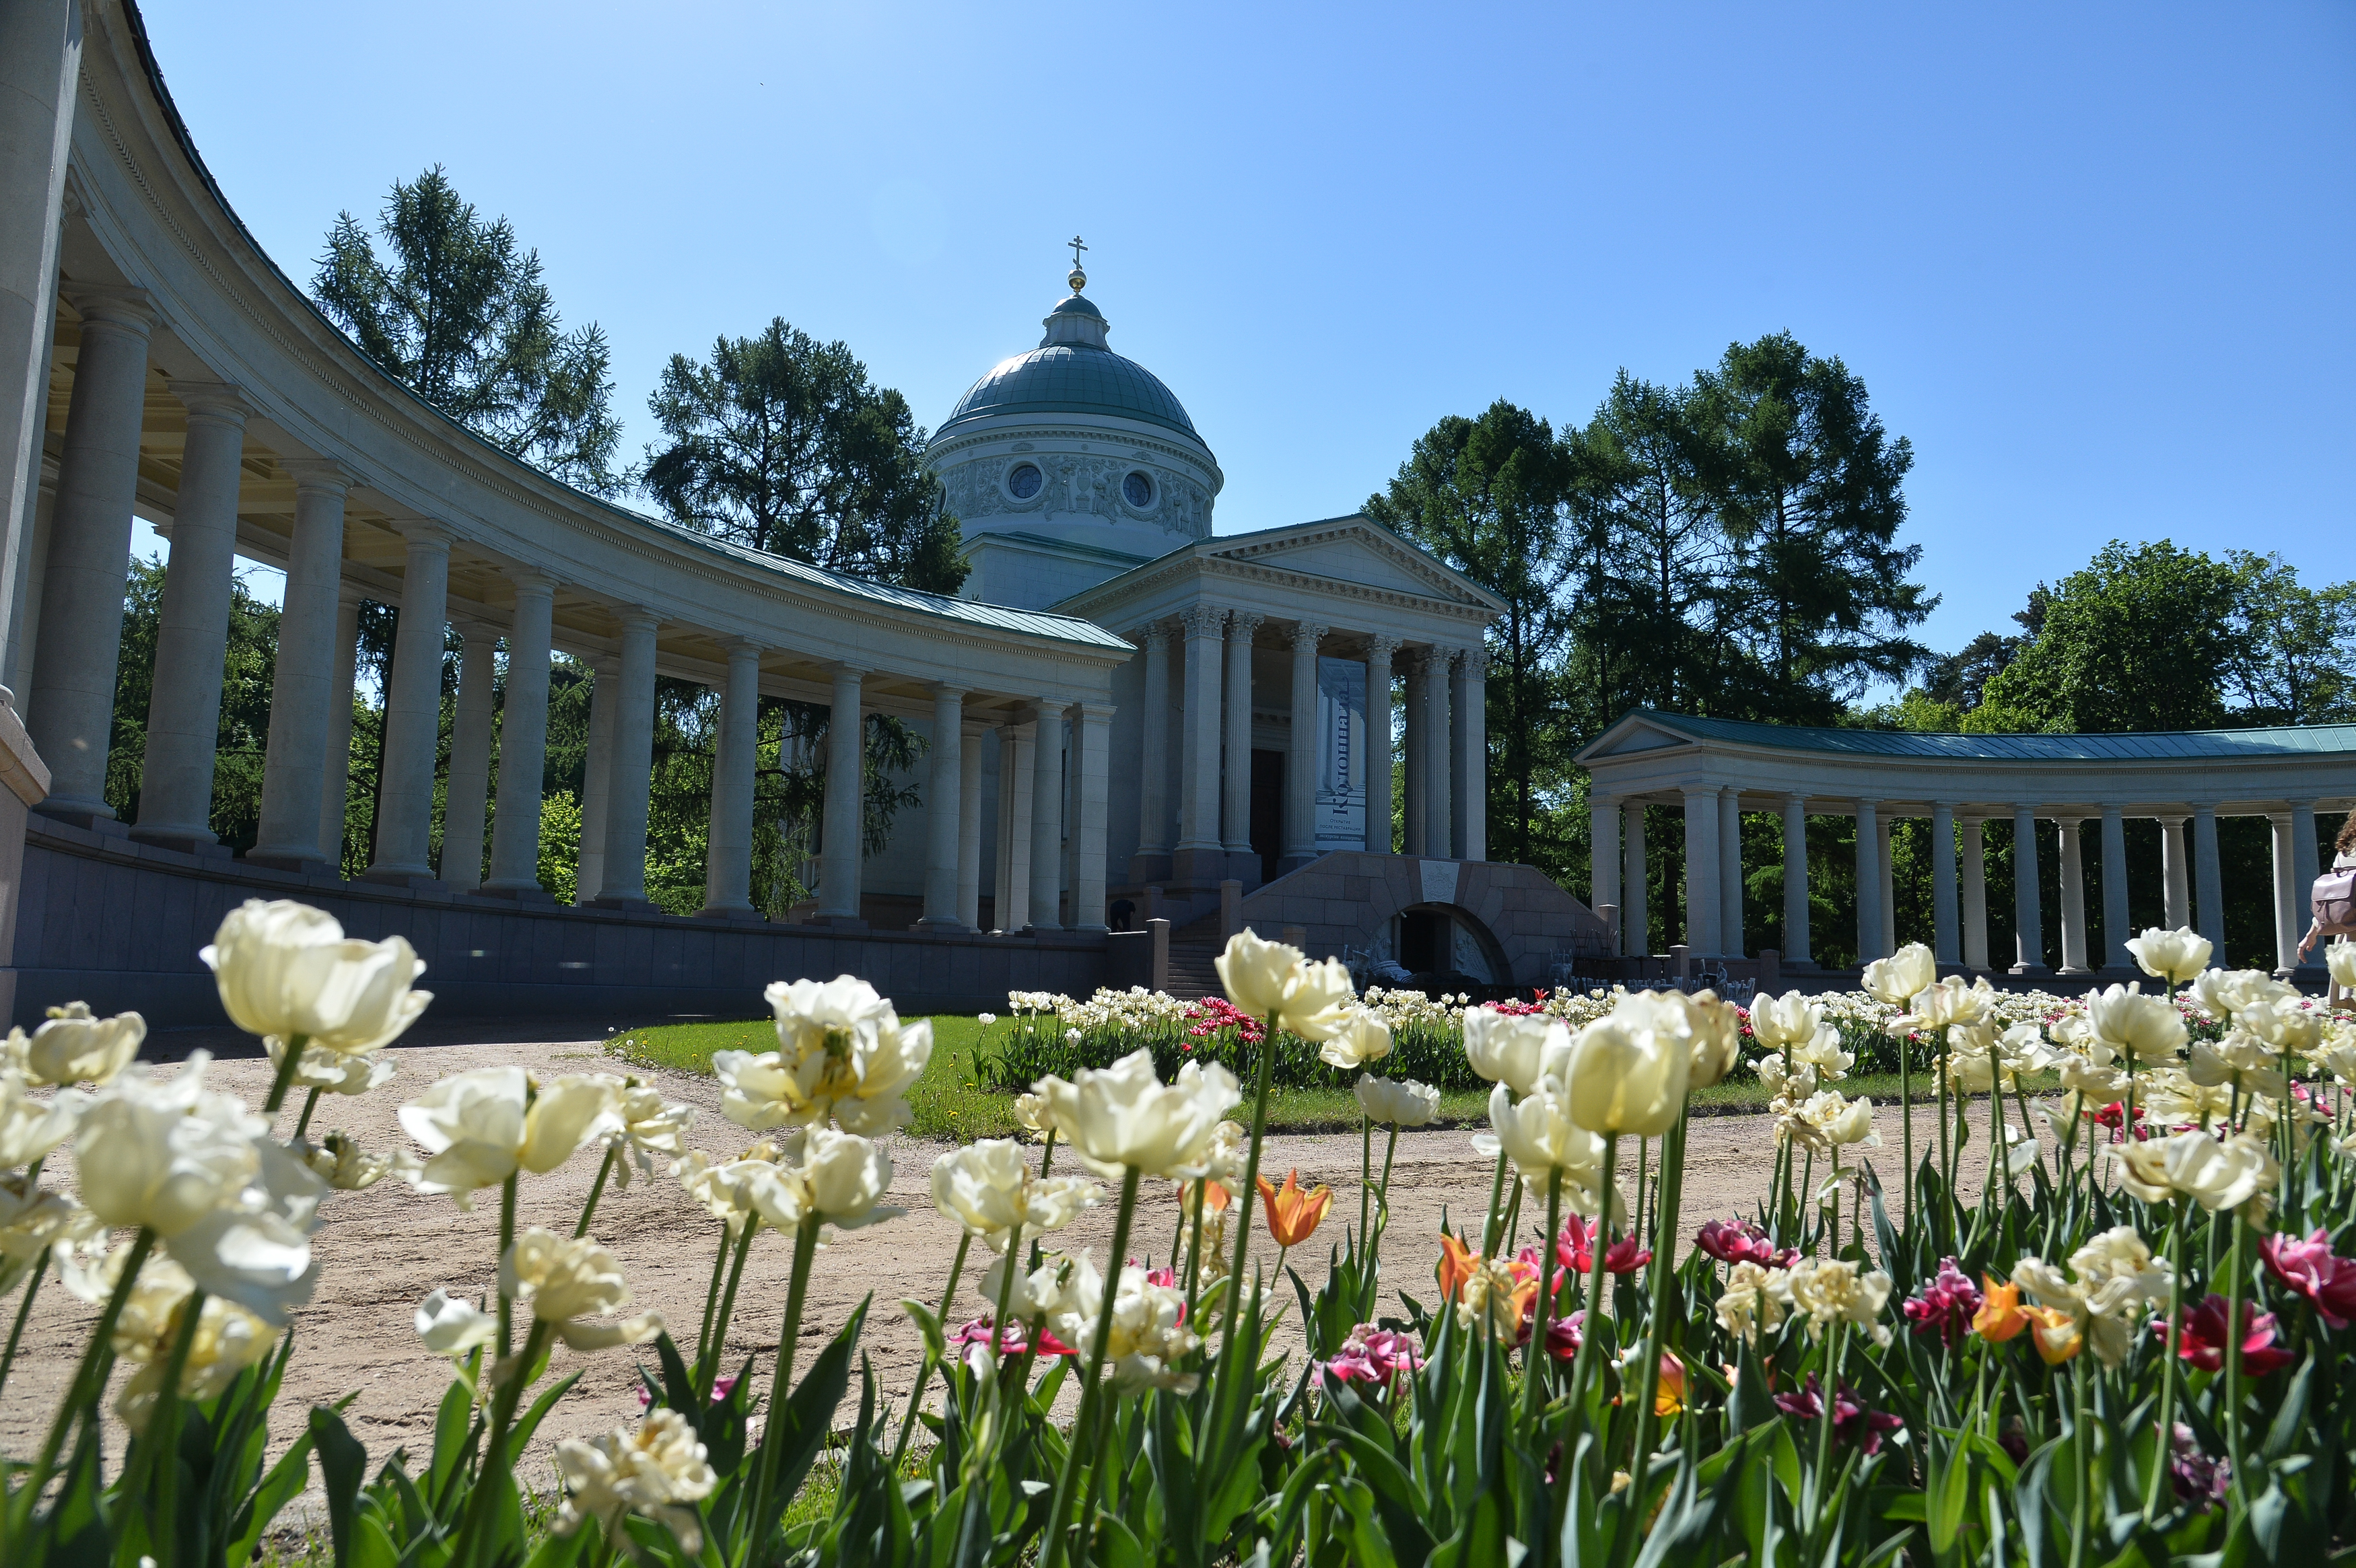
(1069, 484)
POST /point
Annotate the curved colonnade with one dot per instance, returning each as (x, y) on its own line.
(171, 371)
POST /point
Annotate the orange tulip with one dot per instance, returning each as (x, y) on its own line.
(2000, 1316)
(1213, 1196)
(1669, 1396)
(1294, 1215)
(2057, 1338)
(1457, 1262)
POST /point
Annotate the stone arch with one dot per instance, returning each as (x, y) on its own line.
(1341, 902)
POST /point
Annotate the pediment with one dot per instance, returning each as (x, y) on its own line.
(1634, 735)
(1349, 550)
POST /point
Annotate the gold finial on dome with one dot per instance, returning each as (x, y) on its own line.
(1079, 278)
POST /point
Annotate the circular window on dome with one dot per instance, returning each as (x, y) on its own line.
(1138, 490)
(1023, 481)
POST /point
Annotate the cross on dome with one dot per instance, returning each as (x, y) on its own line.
(1079, 277)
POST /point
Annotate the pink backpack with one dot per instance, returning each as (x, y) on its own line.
(2335, 902)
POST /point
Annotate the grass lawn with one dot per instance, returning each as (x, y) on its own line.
(950, 1104)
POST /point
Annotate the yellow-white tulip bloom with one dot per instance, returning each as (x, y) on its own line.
(73, 1047)
(987, 1188)
(1828, 1121)
(1277, 983)
(1834, 1291)
(1124, 1116)
(2175, 956)
(30, 1129)
(568, 1280)
(229, 1337)
(841, 1177)
(2195, 1165)
(1904, 974)
(2339, 958)
(2144, 1028)
(1788, 1019)
(1540, 1138)
(453, 1326)
(1717, 1044)
(1049, 1291)
(1627, 1072)
(2284, 1023)
(1514, 1049)
(1363, 1038)
(1146, 1336)
(35, 1222)
(481, 1127)
(659, 1470)
(842, 1052)
(1397, 1101)
(1945, 1004)
(2221, 993)
(286, 969)
(648, 1124)
(340, 1162)
(334, 1072)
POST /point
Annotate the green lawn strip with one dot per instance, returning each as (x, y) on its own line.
(948, 1103)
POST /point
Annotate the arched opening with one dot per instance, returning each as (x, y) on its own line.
(1442, 940)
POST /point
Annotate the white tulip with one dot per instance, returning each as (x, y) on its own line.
(2174, 955)
(1397, 1101)
(840, 1178)
(1148, 1333)
(1834, 1291)
(1539, 1137)
(569, 1279)
(1051, 1291)
(657, 1470)
(333, 1072)
(453, 1326)
(648, 1124)
(2221, 993)
(482, 1126)
(1945, 1004)
(1830, 1121)
(1513, 1048)
(1904, 974)
(987, 1189)
(1124, 1116)
(2284, 1024)
(1627, 1072)
(286, 969)
(2195, 1165)
(2144, 1028)
(73, 1047)
(35, 1222)
(1787, 1019)
(1277, 983)
(1363, 1038)
(30, 1129)
(1716, 1047)
(340, 1162)
(229, 1337)
(842, 1052)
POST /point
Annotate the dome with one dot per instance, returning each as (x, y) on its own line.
(1072, 372)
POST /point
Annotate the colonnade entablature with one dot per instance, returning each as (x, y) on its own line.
(2047, 789)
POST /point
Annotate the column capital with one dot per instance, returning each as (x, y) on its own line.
(2114, 813)
(940, 688)
(530, 581)
(1305, 636)
(2170, 820)
(1242, 623)
(1203, 620)
(216, 400)
(1864, 801)
(636, 618)
(321, 474)
(744, 648)
(841, 671)
(1476, 661)
(1380, 646)
(1603, 802)
(469, 629)
(1099, 712)
(1947, 806)
(1434, 659)
(424, 531)
(1796, 797)
(133, 309)
(2306, 805)
(1152, 634)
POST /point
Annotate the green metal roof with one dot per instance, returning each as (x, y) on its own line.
(2165, 746)
(1071, 379)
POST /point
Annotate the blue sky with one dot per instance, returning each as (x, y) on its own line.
(2095, 263)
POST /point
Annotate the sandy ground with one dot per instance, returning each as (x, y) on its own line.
(385, 1248)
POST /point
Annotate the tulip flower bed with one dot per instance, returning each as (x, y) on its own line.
(2131, 1343)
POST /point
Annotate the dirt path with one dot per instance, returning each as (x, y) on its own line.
(385, 1248)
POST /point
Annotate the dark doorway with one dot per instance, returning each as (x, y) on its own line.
(1267, 811)
(1426, 944)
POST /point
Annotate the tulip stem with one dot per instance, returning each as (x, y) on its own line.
(714, 1343)
(1955, 1223)
(1665, 1237)
(2082, 1450)
(289, 1061)
(1366, 1175)
(1046, 1164)
(80, 1397)
(1496, 1201)
(2234, 1412)
(1533, 1365)
(1906, 1119)
(1586, 1353)
(507, 1240)
(24, 1314)
(982, 1458)
(924, 1377)
(772, 1444)
(303, 1121)
(1371, 1276)
(597, 1189)
(159, 1444)
(2171, 1346)
(1053, 1554)
(1244, 1191)
(496, 1462)
(712, 1294)
(1195, 1241)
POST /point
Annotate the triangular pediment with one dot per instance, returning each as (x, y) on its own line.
(1349, 550)
(1631, 735)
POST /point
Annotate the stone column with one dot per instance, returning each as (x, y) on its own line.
(176, 783)
(1635, 888)
(2027, 911)
(1869, 883)
(1091, 782)
(2303, 871)
(1701, 869)
(1976, 947)
(2115, 930)
(72, 711)
(2208, 882)
(1603, 851)
(2288, 927)
(1047, 818)
(40, 66)
(2175, 878)
(1468, 775)
(1438, 810)
(412, 719)
(944, 809)
(1301, 752)
(523, 744)
(1014, 908)
(307, 758)
(728, 856)
(1943, 947)
(1417, 758)
(1154, 783)
(1380, 650)
(465, 796)
(1795, 880)
(846, 802)
(1198, 808)
(1888, 902)
(1729, 871)
(634, 760)
(2074, 897)
(597, 779)
(968, 875)
(1235, 813)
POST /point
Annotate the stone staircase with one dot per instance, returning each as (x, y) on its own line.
(1193, 975)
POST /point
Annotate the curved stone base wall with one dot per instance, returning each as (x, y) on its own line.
(1342, 900)
(117, 925)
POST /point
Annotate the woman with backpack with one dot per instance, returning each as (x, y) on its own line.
(2334, 895)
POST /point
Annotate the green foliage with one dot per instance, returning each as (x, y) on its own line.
(249, 668)
(458, 312)
(780, 443)
(560, 845)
